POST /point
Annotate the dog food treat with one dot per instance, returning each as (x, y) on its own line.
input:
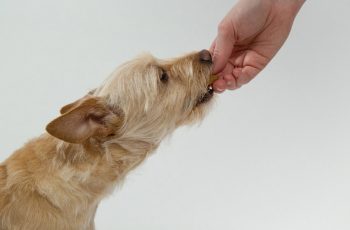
(213, 78)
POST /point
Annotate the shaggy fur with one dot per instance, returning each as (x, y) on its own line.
(56, 181)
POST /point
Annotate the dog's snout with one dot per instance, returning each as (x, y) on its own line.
(205, 56)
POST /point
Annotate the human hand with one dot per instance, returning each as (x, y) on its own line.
(248, 38)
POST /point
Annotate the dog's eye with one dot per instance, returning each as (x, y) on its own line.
(164, 77)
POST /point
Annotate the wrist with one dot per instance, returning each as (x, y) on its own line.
(289, 7)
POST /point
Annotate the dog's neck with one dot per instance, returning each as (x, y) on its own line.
(69, 179)
(83, 173)
(117, 156)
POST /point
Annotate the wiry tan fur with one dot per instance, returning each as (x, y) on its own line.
(56, 181)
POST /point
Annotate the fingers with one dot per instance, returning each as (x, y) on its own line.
(212, 47)
(231, 82)
(235, 79)
(219, 85)
(222, 46)
(246, 74)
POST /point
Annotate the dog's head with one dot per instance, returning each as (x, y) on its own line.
(144, 99)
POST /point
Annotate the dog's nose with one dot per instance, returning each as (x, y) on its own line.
(205, 56)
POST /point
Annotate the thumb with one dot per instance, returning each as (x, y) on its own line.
(223, 47)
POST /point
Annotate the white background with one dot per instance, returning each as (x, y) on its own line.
(272, 155)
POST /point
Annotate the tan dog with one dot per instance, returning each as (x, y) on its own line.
(57, 181)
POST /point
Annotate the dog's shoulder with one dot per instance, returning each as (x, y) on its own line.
(3, 176)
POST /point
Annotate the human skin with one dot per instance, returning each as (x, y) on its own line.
(248, 38)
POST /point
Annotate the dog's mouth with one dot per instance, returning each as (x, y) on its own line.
(205, 97)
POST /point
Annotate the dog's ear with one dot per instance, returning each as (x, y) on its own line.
(83, 119)
(70, 106)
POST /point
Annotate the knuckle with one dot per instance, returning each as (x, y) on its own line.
(216, 52)
(224, 28)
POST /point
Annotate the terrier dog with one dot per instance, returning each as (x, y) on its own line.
(56, 181)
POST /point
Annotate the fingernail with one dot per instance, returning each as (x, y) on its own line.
(219, 89)
(229, 83)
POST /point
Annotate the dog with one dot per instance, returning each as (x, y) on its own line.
(57, 180)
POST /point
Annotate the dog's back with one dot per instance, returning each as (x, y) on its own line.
(4, 198)
(3, 176)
